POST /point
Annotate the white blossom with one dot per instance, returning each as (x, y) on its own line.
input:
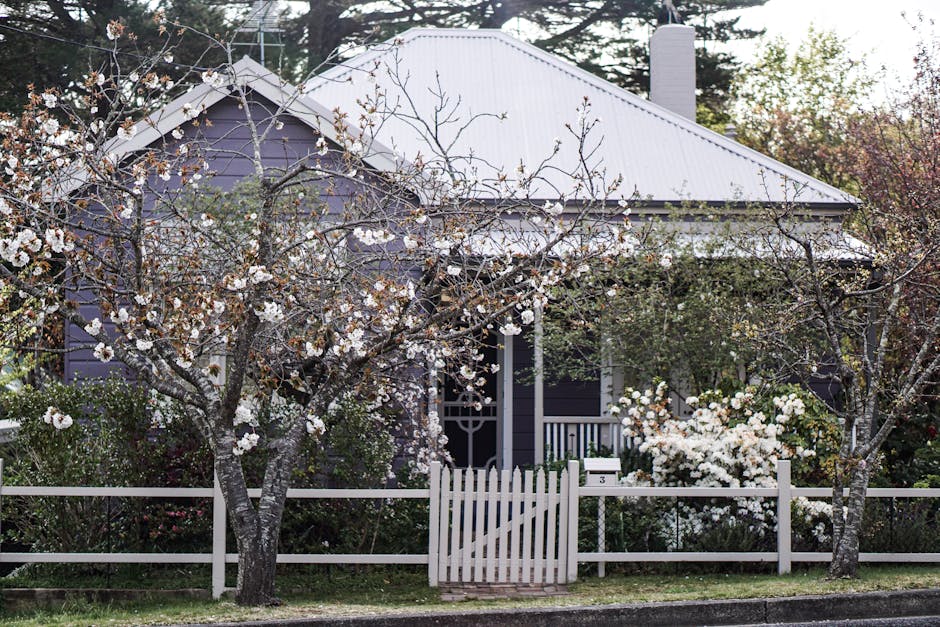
(244, 414)
(315, 426)
(57, 418)
(553, 209)
(236, 284)
(247, 442)
(50, 126)
(93, 328)
(272, 312)
(213, 79)
(113, 30)
(259, 274)
(372, 237)
(127, 131)
(103, 352)
(120, 317)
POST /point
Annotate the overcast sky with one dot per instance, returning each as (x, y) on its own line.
(876, 28)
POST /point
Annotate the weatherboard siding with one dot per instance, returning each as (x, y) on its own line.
(230, 140)
(523, 401)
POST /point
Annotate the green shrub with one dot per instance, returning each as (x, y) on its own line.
(358, 450)
(113, 441)
(109, 443)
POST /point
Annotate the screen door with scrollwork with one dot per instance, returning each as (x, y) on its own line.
(471, 420)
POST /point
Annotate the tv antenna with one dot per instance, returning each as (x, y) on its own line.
(263, 21)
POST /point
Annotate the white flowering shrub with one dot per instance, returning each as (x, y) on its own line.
(812, 524)
(727, 442)
(810, 430)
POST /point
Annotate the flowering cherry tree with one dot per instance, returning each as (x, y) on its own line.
(263, 305)
(860, 320)
(862, 314)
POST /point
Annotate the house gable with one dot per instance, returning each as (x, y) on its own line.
(223, 130)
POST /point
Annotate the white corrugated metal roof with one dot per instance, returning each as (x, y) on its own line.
(664, 157)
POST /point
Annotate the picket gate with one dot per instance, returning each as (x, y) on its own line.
(496, 527)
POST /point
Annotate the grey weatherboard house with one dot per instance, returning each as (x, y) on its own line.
(659, 150)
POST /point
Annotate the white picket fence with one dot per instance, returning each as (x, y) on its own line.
(484, 527)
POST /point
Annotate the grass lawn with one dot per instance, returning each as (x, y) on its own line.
(341, 592)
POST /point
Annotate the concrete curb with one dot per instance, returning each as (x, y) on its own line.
(869, 605)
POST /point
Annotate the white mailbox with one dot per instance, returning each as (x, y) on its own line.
(601, 470)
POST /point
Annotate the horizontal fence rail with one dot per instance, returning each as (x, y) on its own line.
(680, 492)
(218, 557)
(784, 493)
(480, 544)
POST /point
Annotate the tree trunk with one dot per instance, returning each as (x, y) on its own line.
(258, 527)
(845, 540)
(325, 31)
(257, 565)
(257, 536)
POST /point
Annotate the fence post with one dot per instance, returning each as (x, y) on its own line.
(784, 499)
(601, 534)
(574, 479)
(218, 539)
(434, 522)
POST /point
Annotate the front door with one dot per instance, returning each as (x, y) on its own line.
(470, 423)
